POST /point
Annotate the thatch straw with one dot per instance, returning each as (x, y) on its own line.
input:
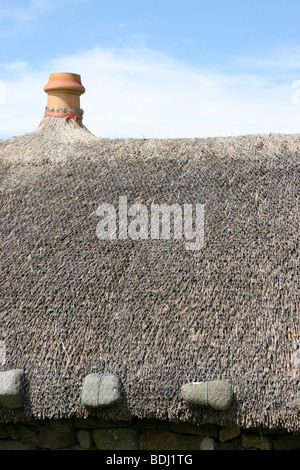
(151, 312)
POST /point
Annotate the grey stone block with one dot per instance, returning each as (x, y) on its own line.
(233, 444)
(253, 441)
(101, 390)
(11, 388)
(24, 444)
(216, 394)
(228, 433)
(115, 439)
(84, 438)
(207, 444)
(50, 439)
(21, 431)
(186, 442)
(62, 425)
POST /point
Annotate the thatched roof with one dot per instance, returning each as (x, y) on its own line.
(150, 311)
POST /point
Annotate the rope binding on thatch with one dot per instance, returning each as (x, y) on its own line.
(64, 115)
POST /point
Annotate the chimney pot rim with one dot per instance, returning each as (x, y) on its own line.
(64, 82)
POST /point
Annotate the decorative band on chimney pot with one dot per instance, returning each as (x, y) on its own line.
(64, 90)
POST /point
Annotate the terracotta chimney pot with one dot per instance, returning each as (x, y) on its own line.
(64, 90)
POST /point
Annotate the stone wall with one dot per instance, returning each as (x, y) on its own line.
(92, 433)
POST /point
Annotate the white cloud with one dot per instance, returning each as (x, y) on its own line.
(282, 59)
(140, 93)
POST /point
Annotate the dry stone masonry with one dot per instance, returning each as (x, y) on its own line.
(138, 434)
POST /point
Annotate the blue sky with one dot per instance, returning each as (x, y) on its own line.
(153, 68)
